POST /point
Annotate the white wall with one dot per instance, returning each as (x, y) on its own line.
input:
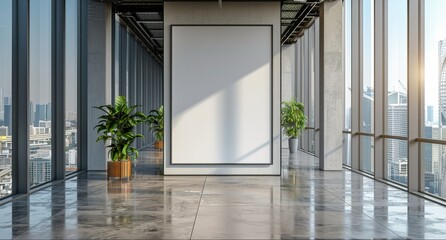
(232, 13)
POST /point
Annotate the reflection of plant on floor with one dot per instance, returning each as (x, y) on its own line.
(155, 120)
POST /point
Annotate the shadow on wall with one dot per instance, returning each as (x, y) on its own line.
(222, 93)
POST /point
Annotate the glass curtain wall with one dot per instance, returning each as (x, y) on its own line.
(40, 34)
(5, 98)
(71, 85)
(37, 27)
(396, 77)
(399, 24)
(367, 78)
(306, 77)
(347, 18)
(434, 126)
(137, 76)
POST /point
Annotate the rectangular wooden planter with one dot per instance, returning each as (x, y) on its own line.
(159, 144)
(120, 169)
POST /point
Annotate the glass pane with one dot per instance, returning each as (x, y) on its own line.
(312, 63)
(367, 152)
(5, 97)
(71, 41)
(367, 66)
(434, 165)
(40, 91)
(311, 140)
(348, 63)
(347, 149)
(435, 69)
(396, 158)
(115, 91)
(397, 68)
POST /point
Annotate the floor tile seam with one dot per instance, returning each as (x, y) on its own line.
(198, 208)
(365, 214)
(359, 210)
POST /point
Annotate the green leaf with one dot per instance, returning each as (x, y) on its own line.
(293, 119)
(117, 126)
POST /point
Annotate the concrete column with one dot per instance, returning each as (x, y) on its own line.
(99, 76)
(288, 57)
(413, 101)
(331, 86)
(380, 89)
(356, 89)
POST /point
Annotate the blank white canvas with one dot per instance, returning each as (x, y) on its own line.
(221, 95)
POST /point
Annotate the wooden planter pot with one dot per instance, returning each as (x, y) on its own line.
(121, 169)
(159, 144)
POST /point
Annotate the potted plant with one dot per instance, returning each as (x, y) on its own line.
(155, 120)
(293, 122)
(116, 127)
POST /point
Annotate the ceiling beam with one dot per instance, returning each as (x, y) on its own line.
(304, 11)
(124, 8)
(144, 36)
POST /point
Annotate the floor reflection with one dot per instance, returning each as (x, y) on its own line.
(303, 203)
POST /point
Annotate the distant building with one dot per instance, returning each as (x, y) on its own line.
(71, 116)
(71, 157)
(37, 130)
(44, 124)
(6, 101)
(430, 114)
(1, 103)
(427, 151)
(396, 126)
(7, 116)
(48, 112)
(40, 114)
(398, 170)
(439, 168)
(442, 81)
(4, 131)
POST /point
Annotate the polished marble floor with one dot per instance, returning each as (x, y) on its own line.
(303, 203)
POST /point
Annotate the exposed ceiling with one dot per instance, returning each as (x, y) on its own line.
(296, 16)
(145, 18)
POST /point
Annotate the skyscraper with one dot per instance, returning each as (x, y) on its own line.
(1, 100)
(442, 81)
(7, 116)
(441, 166)
(397, 126)
(6, 101)
(40, 114)
(48, 112)
(430, 114)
